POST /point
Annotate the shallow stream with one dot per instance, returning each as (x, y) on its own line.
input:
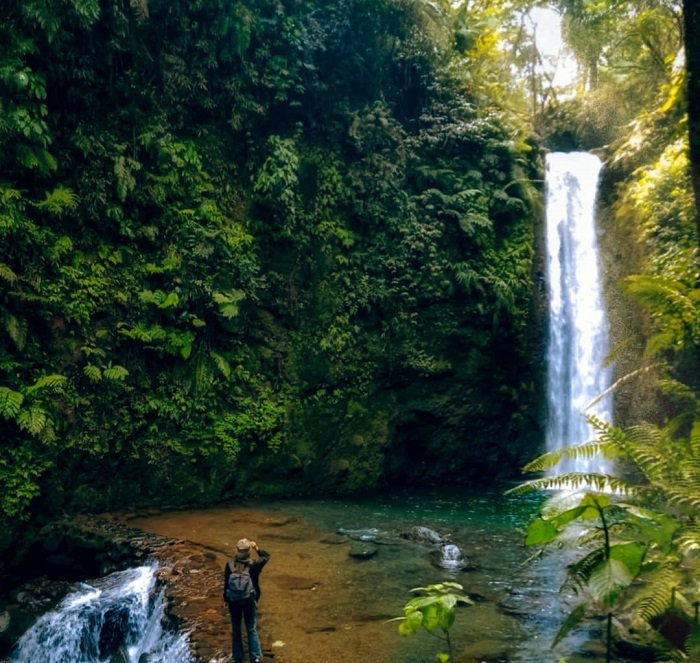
(321, 605)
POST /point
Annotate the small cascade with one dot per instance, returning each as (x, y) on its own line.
(116, 619)
(451, 557)
(578, 327)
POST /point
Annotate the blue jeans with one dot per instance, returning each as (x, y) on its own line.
(248, 612)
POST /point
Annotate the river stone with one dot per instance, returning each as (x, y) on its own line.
(422, 534)
(335, 539)
(362, 551)
(362, 534)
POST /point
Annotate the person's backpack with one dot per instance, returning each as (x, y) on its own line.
(240, 588)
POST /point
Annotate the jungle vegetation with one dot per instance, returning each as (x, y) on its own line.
(281, 246)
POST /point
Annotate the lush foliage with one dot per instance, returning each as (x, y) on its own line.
(255, 245)
(434, 608)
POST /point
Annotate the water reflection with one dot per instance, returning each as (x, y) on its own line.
(518, 607)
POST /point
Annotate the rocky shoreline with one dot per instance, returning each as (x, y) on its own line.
(189, 574)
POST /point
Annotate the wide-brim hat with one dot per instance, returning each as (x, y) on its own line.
(243, 549)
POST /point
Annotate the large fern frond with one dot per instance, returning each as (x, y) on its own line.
(59, 201)
(10, 403)
(575, 480)
(553, 458)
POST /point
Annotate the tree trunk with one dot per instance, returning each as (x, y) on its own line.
(691, 37)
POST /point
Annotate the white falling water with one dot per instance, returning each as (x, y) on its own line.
(578, 328)
(116, 618)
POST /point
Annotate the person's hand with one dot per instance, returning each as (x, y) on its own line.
(254, 546)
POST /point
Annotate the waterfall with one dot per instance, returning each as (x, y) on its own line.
(578, 328)
(116, 619)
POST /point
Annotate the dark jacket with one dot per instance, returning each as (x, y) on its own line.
(255, 567)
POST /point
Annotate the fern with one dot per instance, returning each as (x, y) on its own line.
(59, 201)
(653, 599)
(48, 384)
(229, 302)
(221, 363)
(33, 419)
(10, 403)
(6, 274)
(92, 373)
(575, 480)
(115, 373)
(16, 330)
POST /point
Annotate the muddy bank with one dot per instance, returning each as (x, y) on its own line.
(312, 607)
(305, 612)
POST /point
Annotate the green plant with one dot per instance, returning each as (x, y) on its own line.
(433, 609)
(627, 529)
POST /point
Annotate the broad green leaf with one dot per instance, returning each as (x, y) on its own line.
(630, 554)
(412, 623)
(431, 616)
(540, 531)
(446, 618)
(609, 580)
(570, 622)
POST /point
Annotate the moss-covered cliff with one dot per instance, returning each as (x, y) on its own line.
(270, 246)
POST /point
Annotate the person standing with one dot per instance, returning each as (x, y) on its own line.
(241, 595)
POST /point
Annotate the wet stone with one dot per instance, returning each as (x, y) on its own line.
(363, 552)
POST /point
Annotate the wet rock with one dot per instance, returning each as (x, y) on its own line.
(335, 539)
(113, 631)
(421, 534)
(362, 552)
(362, 534)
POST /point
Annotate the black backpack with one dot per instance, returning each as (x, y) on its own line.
(240, 588)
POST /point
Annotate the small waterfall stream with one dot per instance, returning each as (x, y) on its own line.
(578, 327)
(116, 619)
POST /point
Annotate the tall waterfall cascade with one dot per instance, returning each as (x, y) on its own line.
(118, 618)
(577, 375)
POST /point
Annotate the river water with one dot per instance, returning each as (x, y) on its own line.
(321, 605)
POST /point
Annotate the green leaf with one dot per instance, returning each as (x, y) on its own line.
(412, 623)
(33, 420)
(115, 373)
(540, 531)
(92, 373)
(609, 580)
(431, 616)
(50, 383)
(16, 330)
(10, 403)
(630, 554)
(570, 622)
(446, 617)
